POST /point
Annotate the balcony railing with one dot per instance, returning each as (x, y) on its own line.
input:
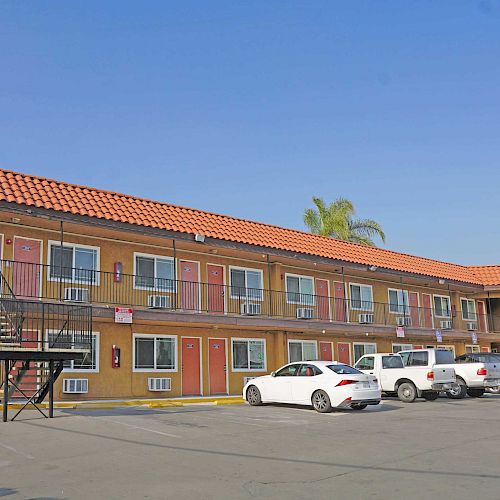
(65, 284)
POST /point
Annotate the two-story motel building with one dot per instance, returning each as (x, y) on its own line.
(215, 299)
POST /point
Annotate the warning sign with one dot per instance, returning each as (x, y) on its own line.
(123, 315)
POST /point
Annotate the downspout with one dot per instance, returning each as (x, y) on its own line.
(61, 238)
(175, 274)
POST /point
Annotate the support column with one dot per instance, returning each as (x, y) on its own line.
(51, 388)
(280, 350)
(5, 389)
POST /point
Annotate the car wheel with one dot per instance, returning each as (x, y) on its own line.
(475, 393)
(321, 402)
(459, 391)
(253, 396)
(407, 392)
(358, 407)
(430, 396)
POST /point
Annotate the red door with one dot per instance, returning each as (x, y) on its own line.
(217, 366)
(414, 312)
(418, 347)
(339, 299)
(191, 366)
(325, 351)
(322, 299)
(29, 382)
(215, 280)
(344, 351)
(427, 310)
(481, 316)
(26, 268)
(189, 285)
(485, 349)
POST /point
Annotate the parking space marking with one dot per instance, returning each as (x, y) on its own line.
(141, 428)
(14, 450)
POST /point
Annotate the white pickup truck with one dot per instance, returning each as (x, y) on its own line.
(475, 372)
(421, 376)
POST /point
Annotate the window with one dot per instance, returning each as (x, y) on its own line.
(249, 355)
(155, 353)
(401, 347)
(444, 357)
(344, 369)
(155, 273)
(361, 297)
(299, 290)
(468, 309)
(472, 348)
(442, 306)
(389, 362)
(90, 360)
(309, 371)
(415, 358)
(74, 263)
(366, 363)
(246, 283)
(302, 350)
(362, 349)
(398, 301)
(287, 371)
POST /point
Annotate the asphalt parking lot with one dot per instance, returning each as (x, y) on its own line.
(426, 449)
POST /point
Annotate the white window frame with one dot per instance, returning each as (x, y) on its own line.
(434, 305)
(403, 308)
(301, 342)
(300, 292)
(97, 336)
(474, 348)
(474, 310)
(351, 299)
(364, 353)
(155, 277)
(248, 340)
(246, 297)
(406, 347)
(155, 337)
(96, 271)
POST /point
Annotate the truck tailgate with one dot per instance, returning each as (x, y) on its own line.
(443, 374)
(493, 370)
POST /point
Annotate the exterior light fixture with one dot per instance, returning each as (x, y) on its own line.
(200, 238)
(373, 268)
(441, 282)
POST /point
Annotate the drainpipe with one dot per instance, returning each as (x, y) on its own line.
(175, 273)
(346, 310)
(61, 238)
(269, 286)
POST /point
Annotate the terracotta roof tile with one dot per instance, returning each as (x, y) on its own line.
(488, 275)
(54, 195)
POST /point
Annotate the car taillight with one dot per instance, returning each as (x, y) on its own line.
(430, 375)
(347, 382)
(482, 371)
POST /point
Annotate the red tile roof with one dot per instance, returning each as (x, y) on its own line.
(29, 190)
(488, 275)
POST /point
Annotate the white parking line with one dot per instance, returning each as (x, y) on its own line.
(10, 448)
(141, 428)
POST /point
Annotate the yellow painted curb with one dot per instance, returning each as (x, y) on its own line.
(229, 402)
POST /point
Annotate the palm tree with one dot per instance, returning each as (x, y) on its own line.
(337, 221)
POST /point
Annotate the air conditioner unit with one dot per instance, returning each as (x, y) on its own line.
(472, 326)
(247, 379)
(446, 324)
(75, 385)
(159, 302)
(76, 294)
(403, 321)
(250, 309)
(159, 384)
(305, 313)
(366, 318)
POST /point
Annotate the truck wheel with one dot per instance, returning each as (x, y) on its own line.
(321, 402)
(407, 392)
(253, 396)
(459, 391)
(475, 393)
(430, 396)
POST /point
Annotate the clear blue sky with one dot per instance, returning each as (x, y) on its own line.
(250, 108)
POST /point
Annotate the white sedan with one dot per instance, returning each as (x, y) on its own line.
(322, 384)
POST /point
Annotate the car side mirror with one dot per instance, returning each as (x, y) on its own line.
(273, 374)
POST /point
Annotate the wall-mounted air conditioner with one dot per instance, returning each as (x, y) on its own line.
(75, 385)
(250, 309)
(76, 294)
(472, 326)
(159, 384)
(159, 301)
(403, 321)
(446, 324)
(305, 313)
(366, 318)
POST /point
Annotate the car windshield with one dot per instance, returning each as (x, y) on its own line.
(344, 369)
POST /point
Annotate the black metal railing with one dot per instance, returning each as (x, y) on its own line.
(70, 285)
